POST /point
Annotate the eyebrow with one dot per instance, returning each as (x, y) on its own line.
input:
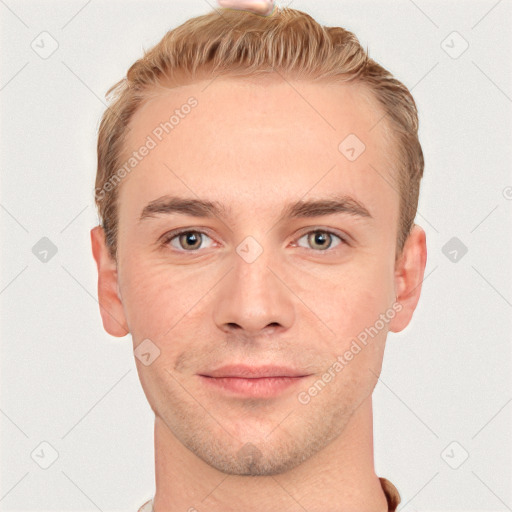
(167, 205)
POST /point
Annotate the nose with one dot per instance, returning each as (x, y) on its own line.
(253, 299)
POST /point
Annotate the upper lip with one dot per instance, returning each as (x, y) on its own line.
(254, 372)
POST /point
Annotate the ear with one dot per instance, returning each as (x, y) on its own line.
(109, 297)
(409, 272)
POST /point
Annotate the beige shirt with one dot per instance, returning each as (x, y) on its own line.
(389, 489)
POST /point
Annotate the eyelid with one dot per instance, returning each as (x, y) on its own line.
(166, 238)
(342, 236)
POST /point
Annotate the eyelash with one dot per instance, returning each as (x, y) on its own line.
(167, 238)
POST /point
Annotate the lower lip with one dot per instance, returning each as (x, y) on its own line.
(264, 387)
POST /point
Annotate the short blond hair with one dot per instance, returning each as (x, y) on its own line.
(237, 43)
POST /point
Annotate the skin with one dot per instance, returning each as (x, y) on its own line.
(255, 145)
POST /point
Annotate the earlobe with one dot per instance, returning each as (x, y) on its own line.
(109, 295)
(409, 275)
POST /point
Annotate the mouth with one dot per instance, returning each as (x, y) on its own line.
(254, 382)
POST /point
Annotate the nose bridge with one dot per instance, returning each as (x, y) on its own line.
(251, 296)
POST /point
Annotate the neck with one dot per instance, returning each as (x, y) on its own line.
(341, 477)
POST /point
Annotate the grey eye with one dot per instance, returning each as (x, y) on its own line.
(320, 240)
(188, 240)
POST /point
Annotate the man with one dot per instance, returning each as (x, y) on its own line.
(258, 179)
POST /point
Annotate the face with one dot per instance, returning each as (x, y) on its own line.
(291, 261)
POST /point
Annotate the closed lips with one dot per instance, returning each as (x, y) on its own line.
(254, 372)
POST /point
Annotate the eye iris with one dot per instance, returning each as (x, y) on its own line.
(190, 236)
(320, 237)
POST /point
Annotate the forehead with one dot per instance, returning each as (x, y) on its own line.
(241, 141)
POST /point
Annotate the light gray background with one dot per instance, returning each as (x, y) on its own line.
(65, 381)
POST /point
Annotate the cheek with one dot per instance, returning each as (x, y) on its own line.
(353, 312)
(159, 386)
(160, 301)
(152, 300)
(352, 298)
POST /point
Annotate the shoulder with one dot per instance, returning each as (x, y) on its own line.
(391, 492)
